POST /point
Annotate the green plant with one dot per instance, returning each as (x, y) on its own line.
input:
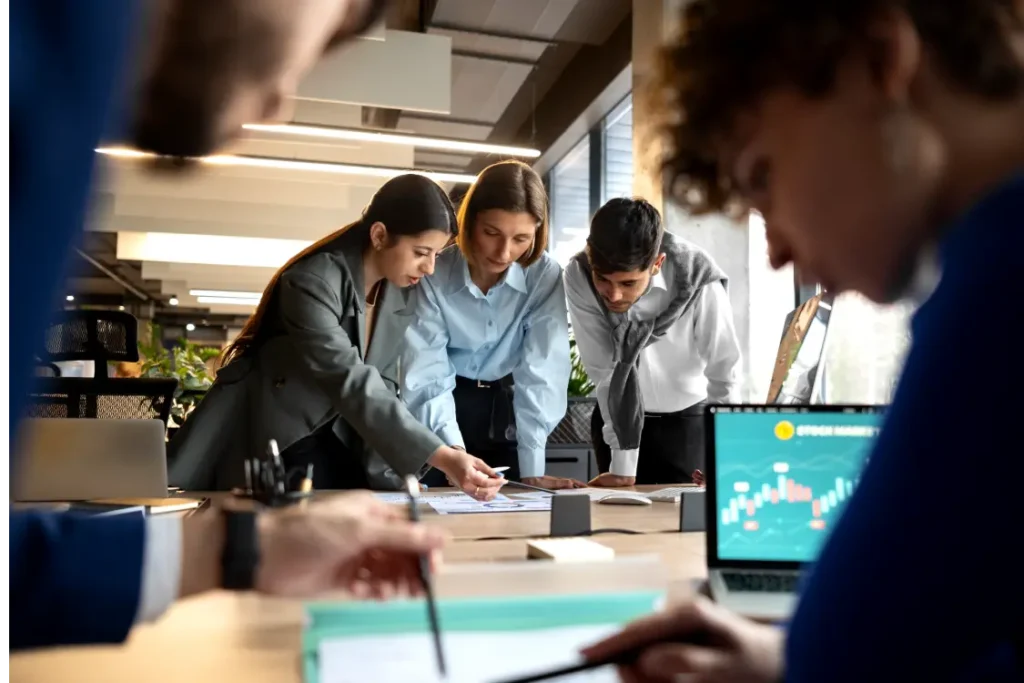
(186, 363)
(579, 383)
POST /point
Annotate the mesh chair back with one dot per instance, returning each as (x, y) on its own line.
(109, 399)
(96, 335)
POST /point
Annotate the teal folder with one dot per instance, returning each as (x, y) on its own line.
(520, 613)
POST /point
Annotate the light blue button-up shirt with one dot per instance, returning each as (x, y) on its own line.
(520, 326)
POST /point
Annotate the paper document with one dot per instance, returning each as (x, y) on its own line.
(463, 504)
(472, 657)
(402, 498)
(397, 497)
(593, 493)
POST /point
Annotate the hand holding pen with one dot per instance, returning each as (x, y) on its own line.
(413, 488)
(467, 472)
(698, 638)
(363, 545)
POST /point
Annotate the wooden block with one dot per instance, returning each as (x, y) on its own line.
(568, 550)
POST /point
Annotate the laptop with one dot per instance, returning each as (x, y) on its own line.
(778, 478)
(60, 459)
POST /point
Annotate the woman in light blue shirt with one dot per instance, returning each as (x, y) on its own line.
(486, 357)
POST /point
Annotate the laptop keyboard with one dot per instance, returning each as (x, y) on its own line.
(757, 582)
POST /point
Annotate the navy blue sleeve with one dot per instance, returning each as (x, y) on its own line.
(920, 578)
(67, 62)
(74, 579)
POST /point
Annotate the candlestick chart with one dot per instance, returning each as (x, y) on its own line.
(781, 482)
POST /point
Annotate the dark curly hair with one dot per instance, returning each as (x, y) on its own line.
(730, 53)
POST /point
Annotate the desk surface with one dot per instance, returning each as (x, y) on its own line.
(644, 519)
(253, 638)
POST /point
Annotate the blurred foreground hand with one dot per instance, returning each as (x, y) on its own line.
(348, 542)
(699, 642)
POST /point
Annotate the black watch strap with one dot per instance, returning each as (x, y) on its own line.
(241, 554)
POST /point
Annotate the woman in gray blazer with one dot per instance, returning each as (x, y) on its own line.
(306, 369)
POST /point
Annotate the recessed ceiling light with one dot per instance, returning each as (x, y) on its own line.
(173, 301)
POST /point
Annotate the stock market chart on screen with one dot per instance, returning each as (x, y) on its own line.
(783, 479)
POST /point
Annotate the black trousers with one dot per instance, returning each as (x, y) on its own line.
(475, 411)
(671, 447)
(335, 466)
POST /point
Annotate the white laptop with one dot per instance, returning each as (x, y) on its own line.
(85, 459)
(778, 479)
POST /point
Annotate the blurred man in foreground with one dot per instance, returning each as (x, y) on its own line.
(872, 134)
(186, 75)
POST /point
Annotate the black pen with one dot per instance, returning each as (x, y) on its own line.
(621, 659)
(521, 485)
(412, 485)
(624, 658)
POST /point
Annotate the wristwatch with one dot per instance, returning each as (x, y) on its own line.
(241, 555)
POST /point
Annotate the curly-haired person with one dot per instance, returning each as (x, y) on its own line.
(878, 138)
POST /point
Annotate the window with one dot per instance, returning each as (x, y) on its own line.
(570, 202)
(770, 301)
(866, 346)
(618, 152)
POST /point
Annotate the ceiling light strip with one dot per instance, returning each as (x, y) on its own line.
(295, 165)
(354, 134)
(233, 301)
(226, 294)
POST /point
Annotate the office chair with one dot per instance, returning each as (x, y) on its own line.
(97, 335)
(102, 337)
(103, 398)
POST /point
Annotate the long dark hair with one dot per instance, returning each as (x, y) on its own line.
(407, 205)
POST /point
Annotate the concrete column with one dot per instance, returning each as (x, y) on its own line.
(760, 298)
(648, 33)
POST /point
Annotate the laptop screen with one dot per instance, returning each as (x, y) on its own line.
(783, 475)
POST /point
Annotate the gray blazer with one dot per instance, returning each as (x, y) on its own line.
(306, 370)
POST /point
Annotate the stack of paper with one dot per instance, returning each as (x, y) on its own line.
(484, 639)
(471, 657)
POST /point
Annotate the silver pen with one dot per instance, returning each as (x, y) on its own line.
(278, 466)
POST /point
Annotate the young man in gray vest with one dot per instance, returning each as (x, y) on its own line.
(652, 320)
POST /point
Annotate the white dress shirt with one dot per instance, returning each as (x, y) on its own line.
(697, 359)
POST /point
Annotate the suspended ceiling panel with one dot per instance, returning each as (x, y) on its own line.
(541, 18)
(481, 89)
(418, 68)
(445, 129)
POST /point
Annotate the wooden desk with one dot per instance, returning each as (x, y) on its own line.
(658, 517)
(250, 638)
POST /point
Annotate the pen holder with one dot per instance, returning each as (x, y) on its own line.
(267, 481)
(272, 499)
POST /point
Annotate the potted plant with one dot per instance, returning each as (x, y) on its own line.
(574, 429)
(186, 362)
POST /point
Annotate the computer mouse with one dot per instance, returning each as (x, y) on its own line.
(625, 499)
